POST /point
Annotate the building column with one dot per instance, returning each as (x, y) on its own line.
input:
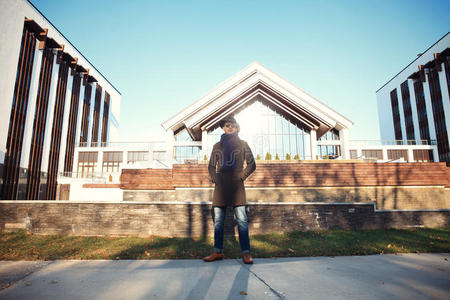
(412, 98)
(65, 125)
(31, 109)
(50, 115)
(91, 115)
(384, 153)
(435, 154)
(170, 146)
(205, 145)
(411, 155)
(313, 143)
(343, 138)
(80, 113)
(428, 105)
(100, 118)
(75, 163)
(445, 96)
(98, 172)
(401, 112)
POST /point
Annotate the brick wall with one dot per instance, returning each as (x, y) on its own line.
(297, 175)
(147, 179)
(194, 219)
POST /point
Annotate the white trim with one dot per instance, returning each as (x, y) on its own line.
(240, 83)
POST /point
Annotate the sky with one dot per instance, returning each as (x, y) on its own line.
(164, 55)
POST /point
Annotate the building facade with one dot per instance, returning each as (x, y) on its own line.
(52, 99)
(278, 120)
(414, 106)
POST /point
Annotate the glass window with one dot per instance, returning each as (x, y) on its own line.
(329, 151)
(183, 135)
(112, 160)
(373, 154)
(332, 135)
(134, 156)
(187, 154)
(423, 155)
(87, 164)
(266, 131)
(397, 154)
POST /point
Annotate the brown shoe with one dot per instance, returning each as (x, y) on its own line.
(247, 258)
(214, 256)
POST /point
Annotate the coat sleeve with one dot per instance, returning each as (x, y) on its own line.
(213, 160)
(251, 165)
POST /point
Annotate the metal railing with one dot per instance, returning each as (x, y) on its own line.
(393, 142)
(143, 145)
(92, 177)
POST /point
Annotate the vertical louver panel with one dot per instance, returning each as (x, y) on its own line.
(96, 118)
(421, 111)
(407, 112)
(105, 119)
(55, 144)
(18, 115)
(439, 116)
(40, 118)
(73, 119)
(85, 117)
(396, 115)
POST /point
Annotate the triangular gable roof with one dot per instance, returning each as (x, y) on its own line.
(256, 82)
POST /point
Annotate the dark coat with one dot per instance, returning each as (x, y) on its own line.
(229, 187)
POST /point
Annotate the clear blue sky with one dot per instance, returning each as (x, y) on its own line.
(164, 55)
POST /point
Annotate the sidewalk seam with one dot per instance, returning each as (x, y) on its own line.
(277, 293)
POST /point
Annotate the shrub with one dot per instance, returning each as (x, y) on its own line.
(277, 157)
(258, 157)
(296, 157)
(268, 156)
(205, 157)
(288, 156)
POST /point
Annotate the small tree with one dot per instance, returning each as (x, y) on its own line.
(277, 157)
(288, 156)
(268, 156)
(205, 157)
(296, 157)
(258, 157)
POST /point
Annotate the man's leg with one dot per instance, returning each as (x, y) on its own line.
(219, 218)
(241, 220)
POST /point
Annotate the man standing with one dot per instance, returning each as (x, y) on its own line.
(226, 168)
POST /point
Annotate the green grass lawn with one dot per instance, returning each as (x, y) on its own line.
(21, 245)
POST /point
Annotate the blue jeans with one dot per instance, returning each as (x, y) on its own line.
(241, 220)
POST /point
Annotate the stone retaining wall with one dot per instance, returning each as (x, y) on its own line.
(422, 197)
(194, 219)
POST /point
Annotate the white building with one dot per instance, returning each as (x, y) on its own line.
(277, 119)
(414, 106)
(51, 99)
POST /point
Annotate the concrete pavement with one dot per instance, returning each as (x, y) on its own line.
(404, 276)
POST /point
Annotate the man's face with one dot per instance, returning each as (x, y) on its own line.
(229, 128)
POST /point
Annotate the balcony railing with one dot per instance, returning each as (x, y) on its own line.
(92, 177)
(393, 142)
(141, 145)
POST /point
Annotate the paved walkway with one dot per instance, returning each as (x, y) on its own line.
(405, 276)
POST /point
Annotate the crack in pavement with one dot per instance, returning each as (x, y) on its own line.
(277, 293)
